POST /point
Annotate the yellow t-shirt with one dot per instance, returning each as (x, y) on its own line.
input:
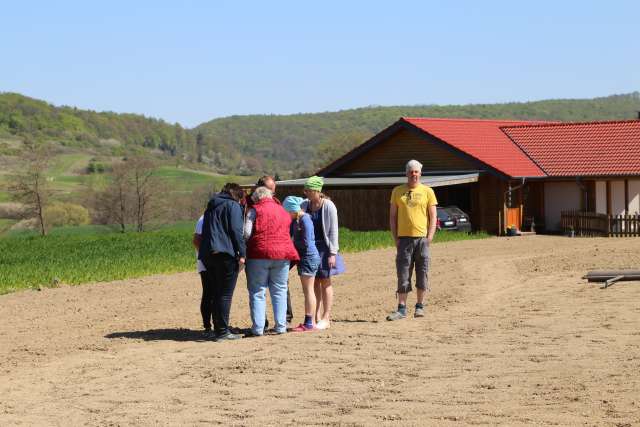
(413, 213)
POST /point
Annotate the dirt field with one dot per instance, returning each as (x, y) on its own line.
(513, 336)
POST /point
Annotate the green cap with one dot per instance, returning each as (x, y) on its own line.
(314, 183)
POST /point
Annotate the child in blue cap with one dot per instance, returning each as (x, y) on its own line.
(304, 240)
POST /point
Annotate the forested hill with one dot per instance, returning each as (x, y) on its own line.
(305, 141)
(288, 145)
(25, 117)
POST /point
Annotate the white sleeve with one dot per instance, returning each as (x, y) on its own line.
(199, 225)
(248, 223)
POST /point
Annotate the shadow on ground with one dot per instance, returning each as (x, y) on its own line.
(173, 334)
(353, 321)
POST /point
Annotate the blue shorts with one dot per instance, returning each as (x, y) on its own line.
(308, 266)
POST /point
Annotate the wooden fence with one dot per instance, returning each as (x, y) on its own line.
(594, 224)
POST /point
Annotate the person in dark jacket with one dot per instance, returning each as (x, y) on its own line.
(223, 252)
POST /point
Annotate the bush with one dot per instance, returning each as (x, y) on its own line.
(12, 210)
(96, 167)
(64, 214)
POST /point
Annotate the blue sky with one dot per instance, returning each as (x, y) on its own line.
(192, 61)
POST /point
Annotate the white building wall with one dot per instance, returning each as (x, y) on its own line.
(558, 197)
(634, 197)
(617, 198)
(601, 197)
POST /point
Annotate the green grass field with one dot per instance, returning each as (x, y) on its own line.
(68, 164)
(358, 241)
(187, 180)
(5, 224)
(73, 256)
(77, 255)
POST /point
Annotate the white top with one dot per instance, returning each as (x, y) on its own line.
(248, 223)
(199, 265)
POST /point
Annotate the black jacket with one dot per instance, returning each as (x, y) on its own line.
(222, 229)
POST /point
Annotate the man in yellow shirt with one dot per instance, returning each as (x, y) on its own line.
(412, 219)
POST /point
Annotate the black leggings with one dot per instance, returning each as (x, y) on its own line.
(222, 275)
(206, 303)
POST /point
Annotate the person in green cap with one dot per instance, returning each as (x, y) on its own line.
(324, 216)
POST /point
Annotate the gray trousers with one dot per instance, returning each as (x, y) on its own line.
(412, 251)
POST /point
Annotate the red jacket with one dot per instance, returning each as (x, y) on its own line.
(270, 235)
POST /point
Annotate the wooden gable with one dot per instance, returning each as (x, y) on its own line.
(392, 154)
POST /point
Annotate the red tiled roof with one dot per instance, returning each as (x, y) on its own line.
(483, 140)
(572, 149)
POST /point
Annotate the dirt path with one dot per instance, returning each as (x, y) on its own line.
(513, 336)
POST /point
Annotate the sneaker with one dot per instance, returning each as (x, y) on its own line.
(323, 324)
(303, 328)
(228, 337)
(396, 315)
(250, 334)
(208, 333)
(419, 312)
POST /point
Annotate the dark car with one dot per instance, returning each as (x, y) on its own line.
(453, 218)
(445, 221)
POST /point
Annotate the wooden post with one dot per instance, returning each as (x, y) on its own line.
(542, 212)
(609, 204)
(626, 197)
(520, 191)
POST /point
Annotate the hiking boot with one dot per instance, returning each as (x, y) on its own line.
(228, 337)
(419, 312)
(396, 315)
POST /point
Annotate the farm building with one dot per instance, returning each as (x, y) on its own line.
(500, 172)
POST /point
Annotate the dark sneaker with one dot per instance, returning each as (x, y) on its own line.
(250, 334)
(208, 334)
(419, 312)
(228, 337)
(396, 315)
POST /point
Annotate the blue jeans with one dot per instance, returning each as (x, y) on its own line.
(263, 274)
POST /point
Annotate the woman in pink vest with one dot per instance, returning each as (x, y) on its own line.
(269, 253)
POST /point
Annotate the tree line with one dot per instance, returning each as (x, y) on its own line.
(289, 145)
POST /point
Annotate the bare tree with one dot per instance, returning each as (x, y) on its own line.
(112, 204)
(29, 186)
(142, 174)
(130, 197)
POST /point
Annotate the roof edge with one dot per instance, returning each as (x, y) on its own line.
(463, 119)
(561, 124)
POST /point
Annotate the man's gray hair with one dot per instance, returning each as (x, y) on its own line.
(261, 193)
(413, 165)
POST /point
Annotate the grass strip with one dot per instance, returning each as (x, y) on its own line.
(95, 254)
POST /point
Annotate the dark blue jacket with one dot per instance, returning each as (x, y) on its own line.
(223, 227)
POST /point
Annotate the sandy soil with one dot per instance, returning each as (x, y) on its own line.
(513, 336)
